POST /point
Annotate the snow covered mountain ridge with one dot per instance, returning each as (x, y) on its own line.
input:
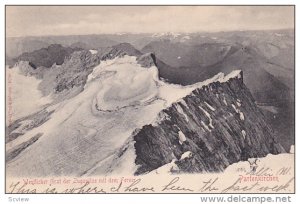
(206, 131)
(126, 119)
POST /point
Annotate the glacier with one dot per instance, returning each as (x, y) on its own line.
(86, 133)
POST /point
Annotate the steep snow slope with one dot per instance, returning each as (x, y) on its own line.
(23, 91)
(91, 129)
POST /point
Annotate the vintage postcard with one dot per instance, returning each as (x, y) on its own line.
(150, 99)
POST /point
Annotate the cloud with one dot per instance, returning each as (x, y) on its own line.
(66, 20)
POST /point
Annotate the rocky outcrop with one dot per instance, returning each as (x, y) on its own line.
(11, 154)
(75, 70)
(46, 57)
(20, 126)
(119, 51)
(147, 60)
(206, 131)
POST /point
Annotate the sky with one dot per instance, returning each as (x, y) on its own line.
(81, 20)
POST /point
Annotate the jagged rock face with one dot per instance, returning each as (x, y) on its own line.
(75, 70)
(119, 51)
(216, 125)
(80, 64)
(147, 60)
(46, 57)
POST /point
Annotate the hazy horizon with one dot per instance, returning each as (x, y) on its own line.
(132, 33)
(39, 21)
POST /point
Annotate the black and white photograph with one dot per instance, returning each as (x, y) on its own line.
(150, 99)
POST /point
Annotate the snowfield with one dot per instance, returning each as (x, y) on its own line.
(93, 52)
(23, 90)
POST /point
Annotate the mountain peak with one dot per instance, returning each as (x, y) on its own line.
(147, 60)
(54, 46)
(127, 48)
(120, 50)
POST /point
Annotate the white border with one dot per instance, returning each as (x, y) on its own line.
(145, 199)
